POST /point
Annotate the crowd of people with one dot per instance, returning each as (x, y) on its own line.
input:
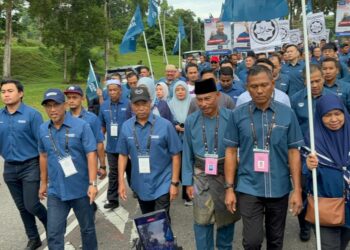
(229, 130)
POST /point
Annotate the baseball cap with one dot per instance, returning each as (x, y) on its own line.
(214, 59)
(74, 89)
(113, 82)
(139, 94)
(55, 95)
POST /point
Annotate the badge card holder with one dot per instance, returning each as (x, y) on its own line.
(114, 129)
(211, 164)
(261, 160)
(68, 166)
(144, 164)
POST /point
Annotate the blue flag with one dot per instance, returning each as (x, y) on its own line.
(254, 10)
(181, 34)
(130, 38)
(226, 10)
(309, 6)
(152, 12)
(92, 84)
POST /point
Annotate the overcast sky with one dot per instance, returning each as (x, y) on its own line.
(202, 8)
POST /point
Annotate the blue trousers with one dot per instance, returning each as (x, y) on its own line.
(204, 235)
(23, 182)
(58, 211)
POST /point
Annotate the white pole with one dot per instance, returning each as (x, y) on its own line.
(163, 41)
(148, 56)
(180, 66)
(311, 126)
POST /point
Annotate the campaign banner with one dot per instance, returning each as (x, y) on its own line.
(284, 31)
(295, 36)
(342, 22)
(264, 34)
(217, 34)
(319, 38)
(316, 25)
(241, 40)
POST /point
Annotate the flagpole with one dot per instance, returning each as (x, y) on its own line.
(311, 125)
(163, 41)
(180, 66)
(93, 71)
(148, 55)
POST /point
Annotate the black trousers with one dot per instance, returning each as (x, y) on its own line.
(162, 202)
(303, 224)
(112, 192)
(334, 238)
(253, 210)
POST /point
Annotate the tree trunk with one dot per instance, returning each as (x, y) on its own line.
(107, 44)
(6, 73)
(73, 70)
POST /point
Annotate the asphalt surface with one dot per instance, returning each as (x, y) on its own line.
(116, 230)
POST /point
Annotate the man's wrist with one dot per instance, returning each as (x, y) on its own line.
(103, 167)
(175, 183)
(93, 183)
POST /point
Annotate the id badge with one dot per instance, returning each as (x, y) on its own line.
(211, 164)
(114, 129)
(68, 166)
(261, 160)
(144, 164)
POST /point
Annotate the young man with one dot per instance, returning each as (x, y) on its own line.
(68, 170)
(154, 148)
(19, 126)
(192, 77)
(228, 85)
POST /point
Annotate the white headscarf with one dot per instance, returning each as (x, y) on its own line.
(179, 108)
(165, 90)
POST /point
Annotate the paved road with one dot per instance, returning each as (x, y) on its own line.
(115, 230)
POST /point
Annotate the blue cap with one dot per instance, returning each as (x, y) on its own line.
(55, 95)
(74, 89)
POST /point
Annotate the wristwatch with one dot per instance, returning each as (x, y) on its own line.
(176, 184)
(93, 183)
(228, 185)
(103, 167)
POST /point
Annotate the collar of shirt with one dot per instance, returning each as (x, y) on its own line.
(120, 101)
(19, 110)
(299, 62)
(271, 106)
(68, 121)
(82, 113)
(149, 120)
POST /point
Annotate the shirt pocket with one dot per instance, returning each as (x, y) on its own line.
(279, 134)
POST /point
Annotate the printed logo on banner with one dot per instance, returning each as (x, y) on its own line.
(294, 38)
(264, 32)
(316, 27)
(284, 33)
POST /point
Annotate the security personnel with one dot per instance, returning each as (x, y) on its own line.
(68, 166)
(19, 126)
(330, 69)
(154, 148)
(268, 136)
(228, 85)
(202, 168)
(112, 116)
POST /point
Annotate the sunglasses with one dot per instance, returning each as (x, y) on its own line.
(213, 62)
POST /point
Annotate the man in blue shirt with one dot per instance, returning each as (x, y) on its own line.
(202, 146)
(203, 63)
(19, 126)
(68, 170)
(112, 116)
(268, 136)
(249, 62)
(282, 81)
(154, 148)
(170, 78)
(227, 85)
(329, 50)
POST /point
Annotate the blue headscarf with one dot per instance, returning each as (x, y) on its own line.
(179, 108)
(334, 145)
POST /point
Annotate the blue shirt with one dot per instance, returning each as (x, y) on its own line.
(81, 141)
(282, 83)
(165, 143)
(94, 123)
(19, 133)
(343, 72)
(285, 135)
(295, 74)
(113, 113)
(341, 89)
(203, 66)
(193, 140)
(343, 58)
(243, 74)
(234, 91)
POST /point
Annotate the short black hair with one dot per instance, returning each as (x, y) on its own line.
(207, 71)
(276, 55)
(226, 61)
(189, 65)
(266, 61)
(331, 46)
(292, 45)
(18, 84)
(330, 59)
(313, 68)
(257, 69)
(131, 74)
(144, 67)
(251, 54)
(226, 71)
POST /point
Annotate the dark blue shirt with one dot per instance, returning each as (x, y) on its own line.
(19, 133)
(81, 141)
(113, 113)
(203, 66)
(295, 74)
(165, 143)
(282, 83)
(285, 135)
(341, 89)
(234, 91)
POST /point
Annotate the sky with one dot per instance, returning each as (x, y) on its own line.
(202, 8)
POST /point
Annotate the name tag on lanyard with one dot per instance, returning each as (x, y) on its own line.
(144, 164)
(114, 129)
(211, 164)
(67, 166)
(261, 160)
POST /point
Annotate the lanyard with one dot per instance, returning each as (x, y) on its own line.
(111, 113)
(268, 136)
(137, 144)
(216, 137)
(54, 144)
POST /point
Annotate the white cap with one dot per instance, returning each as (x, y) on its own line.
(113, 81)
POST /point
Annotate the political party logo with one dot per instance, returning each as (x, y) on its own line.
(264, 32)
(316, 27)
(283, 33)
(294, 38)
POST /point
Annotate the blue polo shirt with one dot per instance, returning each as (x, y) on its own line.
(164, 144)
(299, 105)
(282, 83)
(243, 74)
(193, 140)
(295, 74)
(203, 66)
(343, 72)
(94, 123)
(341, 89)
(81, 141)
(115, 113)
(285, 135)
(19, 133)
(234, 92)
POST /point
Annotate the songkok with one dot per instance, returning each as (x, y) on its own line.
(205, 86)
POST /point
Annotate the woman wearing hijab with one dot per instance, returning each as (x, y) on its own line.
(162, 91)
(332, 142)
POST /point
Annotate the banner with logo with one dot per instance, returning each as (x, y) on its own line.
(342, 22)
(264, 34)
(316, 25)
(241, 40)
(217, 34)
(295, 36)
(284, 31)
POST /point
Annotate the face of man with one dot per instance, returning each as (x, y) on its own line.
(329, 53)
(317, 82)
(260, 88)
(208, 103)
(142, 109)
(170, 74)
(334, 119)
(214, 65)
(202, 59)
(317, 52)
(234, 59)
(189, 59)
(345, 49)
(192, 74)
(114, 92)
(144, 73)
(10, 94)
(55, 111)
(74, 101)
(292, 53)
(330, 71)
(132, 81)
(249, 62)
(220, 27)
(208, 76)
(277, 66)
(226, 81)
